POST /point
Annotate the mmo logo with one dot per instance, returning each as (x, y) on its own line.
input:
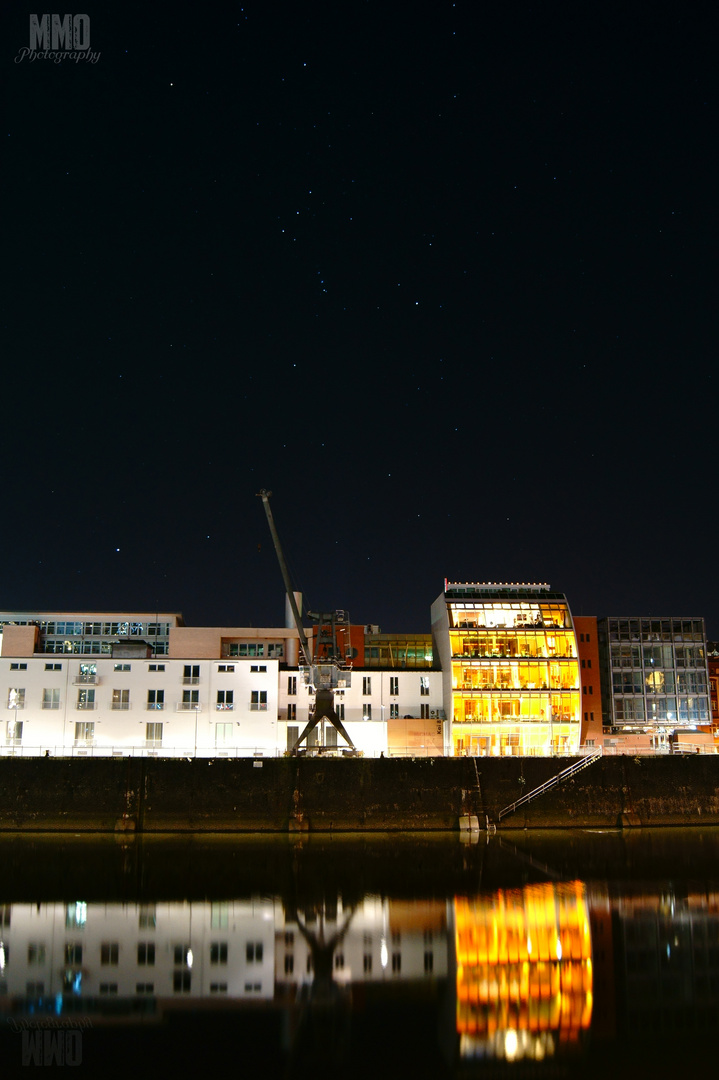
(58, 38)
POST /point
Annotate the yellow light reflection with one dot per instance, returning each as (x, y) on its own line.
(524, 970)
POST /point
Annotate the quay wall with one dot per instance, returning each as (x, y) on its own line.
(153, 795)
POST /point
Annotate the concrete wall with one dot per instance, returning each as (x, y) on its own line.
(336, 794)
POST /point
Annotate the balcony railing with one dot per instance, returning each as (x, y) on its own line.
(120, 706)
(258, 706)
(85, 705)
(188, 706)
(86, 680)
(224, 706)
(157, 705)
(191, 680)
(51, 704)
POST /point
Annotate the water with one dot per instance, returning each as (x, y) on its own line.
(553, 953)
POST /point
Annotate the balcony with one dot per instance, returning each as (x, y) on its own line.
(191, 680)
(86, 680)
(224, 706)
(158, 706)
(120, 706)
(85, 705)
(258, 706)
(51, 704)
(188, 706)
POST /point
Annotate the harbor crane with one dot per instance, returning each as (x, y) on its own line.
(327, 670)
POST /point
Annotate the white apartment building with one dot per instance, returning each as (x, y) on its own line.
(87, 684)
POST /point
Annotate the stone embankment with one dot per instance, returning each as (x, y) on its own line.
(333, 795)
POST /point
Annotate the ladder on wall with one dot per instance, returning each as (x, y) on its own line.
(571, 770)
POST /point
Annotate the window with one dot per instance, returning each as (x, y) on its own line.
(51, 699)
(147, 919)
(34, 989)
(339, 960)
(428, 963)
(35, 953)
(218, 988)
(276, 650)
(182, 982)
(366, 685)
(156, 699)
(153, 734)
(18, 667)
(182, 956)
(340, 710)
(589, 663)
(53, 667)
(394, 712)
(394, 684)
(86, 697)
(223, 734)
(191, 674)
(73, 953)
(156, 667)
(109, 953)
(145, 988)
(584, 663)
(123, 667)
(225, 699)
(220, 915)
(146, 953)
(258, 669)
(16, 698)
(190, 699)
(226, 669)
(108, 988)
(289, 964)
(424, 685)
(367, 963)
(366, 711)
(218, 952)
(424, 712)
(258, 700)
(291, 685)
(84, 732)
(253, 952)
(76, 915)
(121, 699)
(396, 962)
(292, 712)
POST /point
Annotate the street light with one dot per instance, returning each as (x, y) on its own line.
(197, 713)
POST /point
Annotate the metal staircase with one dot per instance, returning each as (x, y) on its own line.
(571, 770)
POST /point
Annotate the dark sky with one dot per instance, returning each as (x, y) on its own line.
(442, 277)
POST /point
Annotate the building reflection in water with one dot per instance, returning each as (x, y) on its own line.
(524, 971)
(523, 974)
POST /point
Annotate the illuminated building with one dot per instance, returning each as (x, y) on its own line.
(655, 678)
(510, 671)
(524, 971)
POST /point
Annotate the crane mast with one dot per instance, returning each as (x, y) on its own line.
(328, 670)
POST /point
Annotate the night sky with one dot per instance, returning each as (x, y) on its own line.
(442, 277)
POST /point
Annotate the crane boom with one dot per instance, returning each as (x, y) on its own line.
(323, 675)
(304, 644)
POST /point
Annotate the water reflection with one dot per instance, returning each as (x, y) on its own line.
(553, 973)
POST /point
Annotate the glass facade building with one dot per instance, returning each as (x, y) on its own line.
(654, 674)
(510, 670)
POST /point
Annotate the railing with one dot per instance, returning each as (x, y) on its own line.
(158, 706)
(120, 706)
(188, 706)
(88, 748)
(224, 706)
(191, 680)
(85, 705)
(85, 680)
(571, 770)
